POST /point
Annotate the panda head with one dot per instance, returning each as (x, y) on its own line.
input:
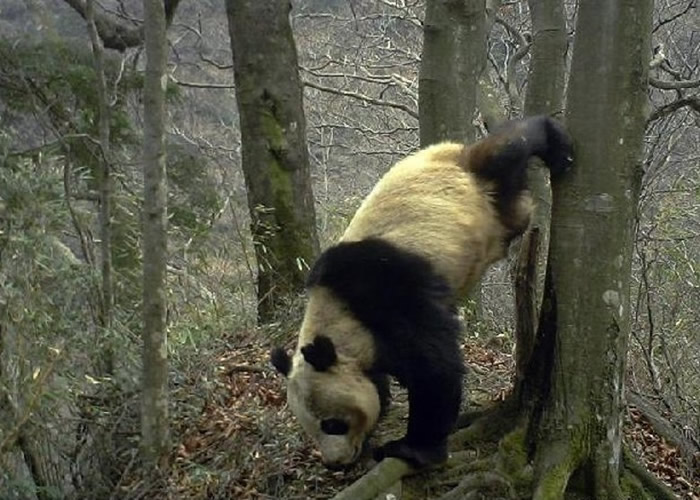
(336, 403)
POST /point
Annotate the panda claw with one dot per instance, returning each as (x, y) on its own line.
(419, 457)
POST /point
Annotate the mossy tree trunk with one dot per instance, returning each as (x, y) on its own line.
(577, 373)
(154, 413)
(274, 152)
(454, 53)
(544, 95)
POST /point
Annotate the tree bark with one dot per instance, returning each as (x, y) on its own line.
(106, 363)
(544, 95)
(275, 158)
(154, 414)
(454, 51)
(585, 324)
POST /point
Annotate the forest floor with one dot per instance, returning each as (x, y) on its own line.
(242, 442)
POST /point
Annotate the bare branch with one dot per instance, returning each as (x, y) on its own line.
(663, 22)
(665, 110)
(666, 85)
(393, 79)
(522, 50)
(202, 85)
(115, 35)
(365, 98)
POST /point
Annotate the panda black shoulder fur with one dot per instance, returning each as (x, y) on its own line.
(381, 301)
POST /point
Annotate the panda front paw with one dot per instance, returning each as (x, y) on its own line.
(418, 457)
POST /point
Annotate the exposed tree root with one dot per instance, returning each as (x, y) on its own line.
(469, 473)
(457, 471)
(377, 481)
(651, 484)
(484, 425)
(506, 471)
(480, 481)
(554, 468)
(663, 427)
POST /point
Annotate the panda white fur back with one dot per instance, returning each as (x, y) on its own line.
(443, 221)
(381, 301)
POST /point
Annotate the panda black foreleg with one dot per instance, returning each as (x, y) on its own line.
(434, 401)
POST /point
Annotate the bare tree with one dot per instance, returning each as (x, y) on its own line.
(154, 414)
(274, 153)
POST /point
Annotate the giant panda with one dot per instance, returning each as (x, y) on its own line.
(381, 302)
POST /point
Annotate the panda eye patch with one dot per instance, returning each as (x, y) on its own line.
(334, 426)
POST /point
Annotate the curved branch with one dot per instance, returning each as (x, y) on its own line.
(365, 98)
(522, 50)
(672, 18)
(665, 110)
(666, 85)
(115, 35)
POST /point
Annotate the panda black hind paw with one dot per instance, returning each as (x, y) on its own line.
(419, 457)
(559, 153)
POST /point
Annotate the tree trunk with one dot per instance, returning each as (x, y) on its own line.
(275, 158)
(154, 414)
(106, 363)
(544, 95)
(454, 50)
(585, 322)
(454, 53)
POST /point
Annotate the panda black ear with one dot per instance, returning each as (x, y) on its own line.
(320, 353)
(281, 361)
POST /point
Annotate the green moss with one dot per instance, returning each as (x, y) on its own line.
(274, 132)
(632, 488)
(514, 460)
(513, 450)
(553, 483)
(282, 214)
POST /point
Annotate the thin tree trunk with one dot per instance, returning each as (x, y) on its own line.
(106, 364)
(275, 158)
(586, 323)
(544, 95)
(154, 415)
